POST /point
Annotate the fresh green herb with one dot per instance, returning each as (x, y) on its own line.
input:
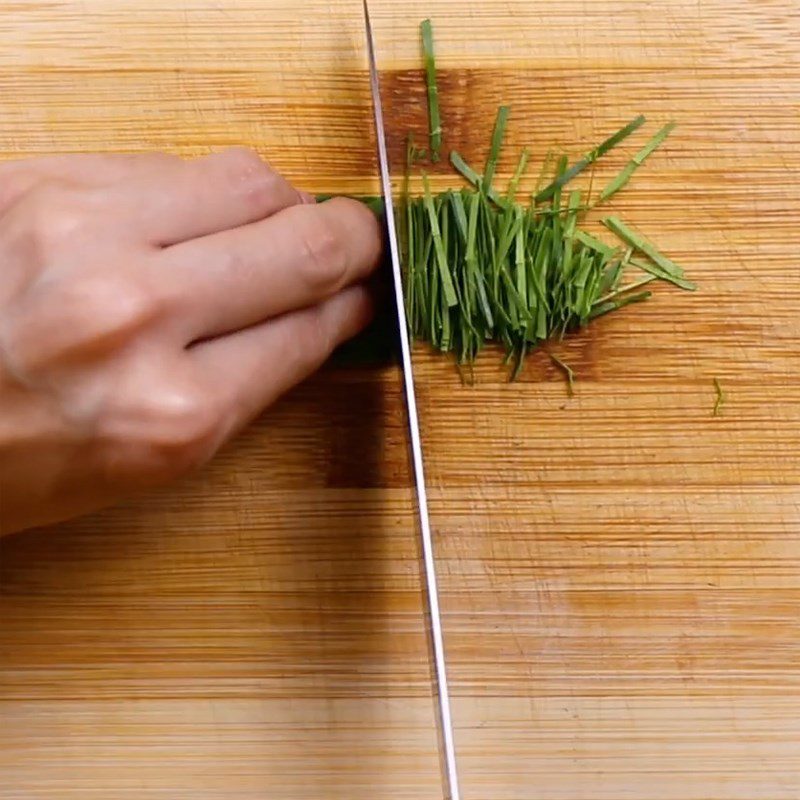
(720, 398)
(589, 158)
(497, 143)
(513, 184)
(472, 177)
(438, 245)
(594, 243)
(661, 267)
(623, 289)
(658, 272)
(480, 267)
(568, 373)
(434, 117)
(622, 179)
(506, 275)
(614, 305)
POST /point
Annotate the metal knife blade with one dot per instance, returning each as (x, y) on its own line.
(429, 564)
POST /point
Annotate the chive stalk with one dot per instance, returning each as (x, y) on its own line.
(434, 116)
(568, 373)
(590, 158)
(627, 173)
(497, 142)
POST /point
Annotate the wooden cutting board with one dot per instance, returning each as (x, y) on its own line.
(620, 569)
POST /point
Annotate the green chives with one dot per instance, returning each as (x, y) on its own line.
(434, 117)
(481, 267)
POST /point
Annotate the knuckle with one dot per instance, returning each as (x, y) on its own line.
(323, 253)
(57, 214)
(245, 166)
(117, 306)
(71, 320)
(252, 178)
(191, 428)
(172, 429)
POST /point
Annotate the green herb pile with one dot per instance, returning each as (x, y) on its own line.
(481, 266)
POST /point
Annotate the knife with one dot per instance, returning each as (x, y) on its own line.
(447, 745)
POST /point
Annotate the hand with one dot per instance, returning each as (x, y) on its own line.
(149, 308)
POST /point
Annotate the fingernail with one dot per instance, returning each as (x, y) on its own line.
(306, 198)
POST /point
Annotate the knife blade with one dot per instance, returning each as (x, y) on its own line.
(447, 744)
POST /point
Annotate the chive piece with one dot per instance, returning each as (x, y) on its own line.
(592, 286)
(465, 169)
(594, 243)
(520, 360)
(548, 160)
(665, 269)
(623, 289)
(497, 142)
(460, 214)
(434, 117)
(590, 158)
(410, 284)
(614, 305)
(612, 274)
(622, 179)
(438, 247)
(720, 398)
(513, 184)
(653, 269)
(519, 253)
(569, 228)
(472, 177)
(591, 186)
(471, 260)
(444, 227)
(568, 373)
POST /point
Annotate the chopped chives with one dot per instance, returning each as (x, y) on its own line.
(621, 302)
(434, 117)
(472, 177)
(594, 243)
(622, 289)
(480, 267)
(568, 373)
(441, 258)
(518, 173)
(658, 272)
(622, 179)
(497, 143)
(589, 158)
(638, 242)
(459, 212)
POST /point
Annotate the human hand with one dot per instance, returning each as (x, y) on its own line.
(149, 308)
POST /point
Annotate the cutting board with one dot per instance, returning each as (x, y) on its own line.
(620, 569)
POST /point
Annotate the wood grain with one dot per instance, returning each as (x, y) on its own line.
(620, 570)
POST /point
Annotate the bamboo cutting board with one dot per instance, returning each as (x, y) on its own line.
(620, 570)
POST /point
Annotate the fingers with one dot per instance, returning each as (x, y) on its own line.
(292, 260)
(206, 195)
(88, 170)
(164, 199)
(257, 365)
